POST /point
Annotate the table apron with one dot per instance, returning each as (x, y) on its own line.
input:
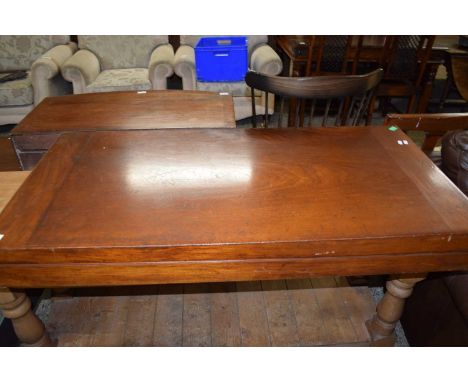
(173, 272)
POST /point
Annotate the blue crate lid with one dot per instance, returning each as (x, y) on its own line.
(222, 42)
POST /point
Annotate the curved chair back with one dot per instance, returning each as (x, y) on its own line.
(346, 96)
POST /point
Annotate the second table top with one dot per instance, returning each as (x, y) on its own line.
(131, 110)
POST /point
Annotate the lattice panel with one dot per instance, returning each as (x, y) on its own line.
(334, 53)
(405, 60)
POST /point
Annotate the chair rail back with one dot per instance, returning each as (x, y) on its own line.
(348, 96)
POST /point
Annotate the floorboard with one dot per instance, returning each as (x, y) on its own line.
(307, 312)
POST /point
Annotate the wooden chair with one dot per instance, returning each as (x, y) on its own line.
(404, 60)
(332, 55)
(433, 125)
(347, 95)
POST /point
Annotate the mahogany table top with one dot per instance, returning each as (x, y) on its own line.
(196, 205)
(130, 110)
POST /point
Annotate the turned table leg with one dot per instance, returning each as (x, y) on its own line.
(389, 310)
(29, 329)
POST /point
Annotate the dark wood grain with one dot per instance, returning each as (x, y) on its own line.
(347, 97)
(8, 159)
(169, 206)
(129, 111)
(164, 109)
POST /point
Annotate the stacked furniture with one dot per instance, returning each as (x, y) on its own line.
(42, 58)
(262, 59)
(404, 59)
(117, 63)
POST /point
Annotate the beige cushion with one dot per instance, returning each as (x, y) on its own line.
(121, 52)
(16, 93)
(120, 80)
(19, 52)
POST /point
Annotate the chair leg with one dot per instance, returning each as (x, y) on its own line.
(370, 110)
(445, 92)
(411, 104)
(254, 111)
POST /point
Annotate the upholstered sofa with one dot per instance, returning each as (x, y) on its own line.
(118, 63)
(42, 58)
(262, 59)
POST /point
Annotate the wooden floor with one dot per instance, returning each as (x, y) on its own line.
(308, 312)
(10, 181)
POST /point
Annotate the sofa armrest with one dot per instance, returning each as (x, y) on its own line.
(45, 69)
(49, 64)
(161, 66)
(81, 69)
(184, 66)
(265, 60)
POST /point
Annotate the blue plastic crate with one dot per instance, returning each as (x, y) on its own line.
(221, 59)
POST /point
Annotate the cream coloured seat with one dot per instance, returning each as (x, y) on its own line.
(118, 63)
(42, 57)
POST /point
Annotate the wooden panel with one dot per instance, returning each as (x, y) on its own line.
(88, 316)
(169, 314)
(197, 312)
(310, 325)
(336, 322)
(195, 205)
(354, 300)
(140, 320)
(433, 123)
(8, 159)
(36, 276)
(225, 325)
(252, 315)
(67, 320)
(281, 320)
(129, 111)
(110, 326)
(212, 315)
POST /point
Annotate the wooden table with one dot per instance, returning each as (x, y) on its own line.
(205, 205)
(8, 159)
(141, 110)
